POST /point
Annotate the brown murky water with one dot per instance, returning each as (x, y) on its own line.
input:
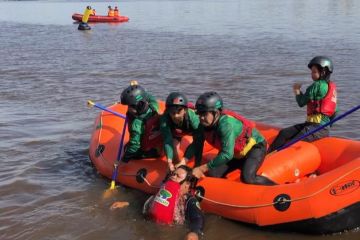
(251, 52)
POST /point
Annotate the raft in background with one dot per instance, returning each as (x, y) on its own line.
(327, 203)
(100, 19)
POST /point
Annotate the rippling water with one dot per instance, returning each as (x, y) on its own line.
(251, 52)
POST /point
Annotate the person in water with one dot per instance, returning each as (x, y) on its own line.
(116, 12)
(141, 114)
(110, 11)
(177, 121)
(240, 144)
(321, 101)
(174, 203)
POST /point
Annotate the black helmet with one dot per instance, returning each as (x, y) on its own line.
(176, 99)
(132, 95)
(323, 62)
(209, 101)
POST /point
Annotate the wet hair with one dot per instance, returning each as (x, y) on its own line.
(324, 73)
(189, 176)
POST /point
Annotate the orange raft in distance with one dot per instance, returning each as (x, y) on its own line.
(318, 187)
(98, 18)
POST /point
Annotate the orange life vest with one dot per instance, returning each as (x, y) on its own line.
(326, 105)
(163, 206)
(111, 13)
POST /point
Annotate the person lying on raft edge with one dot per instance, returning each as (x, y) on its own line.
(177, 121)
(321, 101)
(175, 204)
(142, 111)
(234, 136)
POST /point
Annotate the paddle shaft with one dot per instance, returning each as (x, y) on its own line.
(115, 173)
(116, 164)
(108, 110)
(318, 128)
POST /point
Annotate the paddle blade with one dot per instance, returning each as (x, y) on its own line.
(112, 185)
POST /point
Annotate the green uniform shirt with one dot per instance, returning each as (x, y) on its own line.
(167, 127)
(315, 91)
(137, 127)
(227, 129)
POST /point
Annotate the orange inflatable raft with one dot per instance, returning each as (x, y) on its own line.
(318, 187)
(98, 18)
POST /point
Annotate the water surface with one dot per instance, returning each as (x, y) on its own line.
(251, 52)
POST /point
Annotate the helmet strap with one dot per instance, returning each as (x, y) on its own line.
(324, 74)
(216, 115)
(142, 107)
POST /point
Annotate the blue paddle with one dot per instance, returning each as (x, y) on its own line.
(116, 165)
(92, 104)
(317, 129)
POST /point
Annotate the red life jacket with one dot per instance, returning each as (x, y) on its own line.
(152, 137)
(326, 105)
(241, 140)
(163, 207)
(178, 132)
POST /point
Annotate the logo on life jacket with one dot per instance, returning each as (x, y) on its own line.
(163, 207)
(345, 188)
(334, 96)
(163, 197)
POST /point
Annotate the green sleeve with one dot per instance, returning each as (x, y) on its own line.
(198, 139)
(167, 137)
(302, 99)
(257, 135)
(227, 136)
(153, 102)
(194, 119)
(136, 130)
(196, 147)
(315, 91)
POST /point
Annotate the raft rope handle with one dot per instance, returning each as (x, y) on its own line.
(148, 183)
(142, 176)
(280, 200)
(101, 155)
(123, 174)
